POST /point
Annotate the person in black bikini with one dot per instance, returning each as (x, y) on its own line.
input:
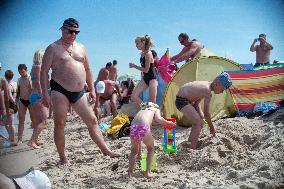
(149, 78)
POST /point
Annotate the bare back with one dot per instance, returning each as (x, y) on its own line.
(12, 85)
(103, 75)
(144, 117)
(113, 73)
(35, 73)
(68, 69)
(195, 91)
(193, 50)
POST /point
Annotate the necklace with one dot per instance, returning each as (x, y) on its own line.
(67, 49)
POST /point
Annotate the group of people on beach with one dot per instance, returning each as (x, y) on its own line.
(71, 73)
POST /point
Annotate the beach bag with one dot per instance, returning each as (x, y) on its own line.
(117, 122)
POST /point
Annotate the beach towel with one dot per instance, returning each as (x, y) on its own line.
(117, 122)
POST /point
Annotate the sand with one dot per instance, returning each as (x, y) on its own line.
(251, 156)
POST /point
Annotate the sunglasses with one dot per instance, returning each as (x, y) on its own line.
(73, 31)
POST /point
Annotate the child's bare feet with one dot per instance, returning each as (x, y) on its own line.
(149, 175)
(130, 174)
(33, 145)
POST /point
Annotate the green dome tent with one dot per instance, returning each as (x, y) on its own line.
(203, 68)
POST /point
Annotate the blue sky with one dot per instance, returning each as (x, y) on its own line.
(109, 27)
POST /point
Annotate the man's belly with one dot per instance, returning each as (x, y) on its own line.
(72, 80)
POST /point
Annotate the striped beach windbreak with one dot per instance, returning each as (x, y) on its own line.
(255, 86)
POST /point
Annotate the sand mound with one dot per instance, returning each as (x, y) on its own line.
(251, 156)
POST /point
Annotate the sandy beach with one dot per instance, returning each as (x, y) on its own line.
(251, 156)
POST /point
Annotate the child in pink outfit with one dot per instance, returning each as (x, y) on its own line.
(141, 131)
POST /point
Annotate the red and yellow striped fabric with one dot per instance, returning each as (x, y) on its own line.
(254, 86)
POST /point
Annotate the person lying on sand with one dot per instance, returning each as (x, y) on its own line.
(140, 131)
(190, 95)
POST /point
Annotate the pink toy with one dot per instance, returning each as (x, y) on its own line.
(166, 69)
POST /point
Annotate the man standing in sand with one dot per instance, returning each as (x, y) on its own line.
(190, 50)
(23, 93)
(262, 50)
(70, 70)
(113, 71)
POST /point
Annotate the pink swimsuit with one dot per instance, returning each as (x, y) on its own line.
(138, 132)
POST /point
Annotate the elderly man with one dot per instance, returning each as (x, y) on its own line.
(70, 70)
(262, 50)
(190, 51)
(107, 90)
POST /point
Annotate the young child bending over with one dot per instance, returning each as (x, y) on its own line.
(140, 131)
(189, 97)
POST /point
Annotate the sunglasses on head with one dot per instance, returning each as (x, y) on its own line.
(73, 31)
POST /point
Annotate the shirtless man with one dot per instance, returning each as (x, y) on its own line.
(107, 90)
(188, 99)
(113, 71)
(23, 93)
(12, 89)
(104, 73)
(190, 50)
(262, 50)
(70, 70)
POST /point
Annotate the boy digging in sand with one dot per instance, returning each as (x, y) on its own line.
(140, 131)
(189, 97)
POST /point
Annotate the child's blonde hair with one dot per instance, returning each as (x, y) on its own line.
(148, 41)
(38, 57)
